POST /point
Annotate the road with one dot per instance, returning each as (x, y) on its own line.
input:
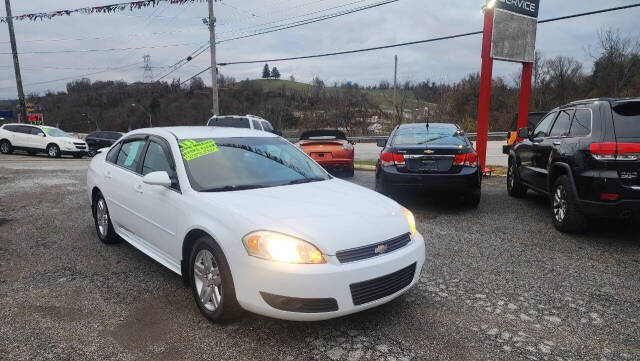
(499, 283)
(370, 151)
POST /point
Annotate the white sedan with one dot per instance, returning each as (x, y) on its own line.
(252, 223)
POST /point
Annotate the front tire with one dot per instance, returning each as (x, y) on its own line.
(515, 188)
(53, 151)
(565, 211)
(5, 147)
(350, 172)
(102, 221)
(211, 282)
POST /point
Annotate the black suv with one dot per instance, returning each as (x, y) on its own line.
(586, 157)
(101, 139)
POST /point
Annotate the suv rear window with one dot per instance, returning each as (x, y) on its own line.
(230, 122)
(626, 120)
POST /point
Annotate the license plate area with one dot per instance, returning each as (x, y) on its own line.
(321, 156)
(428, 164)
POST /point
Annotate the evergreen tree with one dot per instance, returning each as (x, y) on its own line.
(266, 74)
(275, 73)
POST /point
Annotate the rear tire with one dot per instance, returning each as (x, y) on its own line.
(565, 211)
(350, 172)
(515, 188)
(472, 199)
(212, 283)
(53, 151)
(102, 221)
(5, 147)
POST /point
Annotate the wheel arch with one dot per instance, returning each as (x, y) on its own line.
(559, 169)
(53, 143)
(187, 244)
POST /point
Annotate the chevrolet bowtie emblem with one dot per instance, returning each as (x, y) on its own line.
(429, 151)
(381, 249)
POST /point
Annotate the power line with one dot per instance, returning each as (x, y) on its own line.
(425, 40)
(197, 53)
(78, 76)
(100, 50)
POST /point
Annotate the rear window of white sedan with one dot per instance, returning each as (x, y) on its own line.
(229, 164)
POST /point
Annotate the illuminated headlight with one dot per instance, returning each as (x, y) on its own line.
(411, 220)
(279, 247)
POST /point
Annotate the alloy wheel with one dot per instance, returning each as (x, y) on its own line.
(560, 203)
(102, 217)
(510, 175)
(4, 147)
(207, 280)
(53, 151)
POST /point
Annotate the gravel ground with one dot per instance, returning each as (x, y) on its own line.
(499, 284)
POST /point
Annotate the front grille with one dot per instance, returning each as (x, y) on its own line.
(80, 145)
(377, 288)
(360, 253)
(303, 305)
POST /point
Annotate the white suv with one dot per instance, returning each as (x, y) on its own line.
(37, 138)
(241, 121)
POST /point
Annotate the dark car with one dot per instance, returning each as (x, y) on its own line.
(429, 157)
(101, 139)
(586, 157)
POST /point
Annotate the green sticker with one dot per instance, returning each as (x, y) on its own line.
(46, 130)
(191, 149)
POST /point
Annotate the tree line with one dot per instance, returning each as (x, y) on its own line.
(615, 72)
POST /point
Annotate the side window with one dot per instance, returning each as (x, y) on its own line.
(24, 129)
(267, 126)
(11, 128)
(256, 124)
(562, 124)
(115, 136)
(113, 153)
(542, 130)
(156, 160)
(581, 125)
(129, 156)
(36, 131)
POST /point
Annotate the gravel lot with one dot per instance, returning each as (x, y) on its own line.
(499, 284)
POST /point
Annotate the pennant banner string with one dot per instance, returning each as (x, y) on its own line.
(103, 9)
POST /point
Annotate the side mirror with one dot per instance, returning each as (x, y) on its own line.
(42, 135)
(157, 179)
(381, 143)
(524, 133)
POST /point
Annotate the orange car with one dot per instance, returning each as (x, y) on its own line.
(330, 148)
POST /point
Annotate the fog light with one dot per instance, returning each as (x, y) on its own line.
(609, 196)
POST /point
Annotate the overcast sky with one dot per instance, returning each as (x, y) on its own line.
(177, 30)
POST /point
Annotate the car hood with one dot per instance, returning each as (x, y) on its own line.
(334, 215)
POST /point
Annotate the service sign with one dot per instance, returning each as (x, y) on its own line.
(522, 7)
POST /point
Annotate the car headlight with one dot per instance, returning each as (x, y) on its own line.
(411, 220)
(279, 247)
(347, 146)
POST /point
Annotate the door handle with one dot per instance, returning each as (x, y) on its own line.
(107, 175)
(139, 188)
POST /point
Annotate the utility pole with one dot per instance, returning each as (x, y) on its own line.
(16, 63)
(214, 65)
(395, 87)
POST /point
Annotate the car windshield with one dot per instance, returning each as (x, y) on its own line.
(230, 122)
(431, 135)
(55, 132)
(230, 164)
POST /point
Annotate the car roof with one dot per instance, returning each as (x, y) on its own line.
(198, 132)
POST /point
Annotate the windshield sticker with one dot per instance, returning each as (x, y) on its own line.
(46, 130)
(191, 149)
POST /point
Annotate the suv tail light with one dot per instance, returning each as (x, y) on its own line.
(615, 151)
(388, 158)
(466, 160)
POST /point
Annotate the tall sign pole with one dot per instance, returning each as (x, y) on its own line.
(484, 102)
(16, 63)
(525, 95)
(214, 65)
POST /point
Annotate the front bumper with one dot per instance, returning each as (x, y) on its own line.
(73, 152)
(321, 282)
(466, 179)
